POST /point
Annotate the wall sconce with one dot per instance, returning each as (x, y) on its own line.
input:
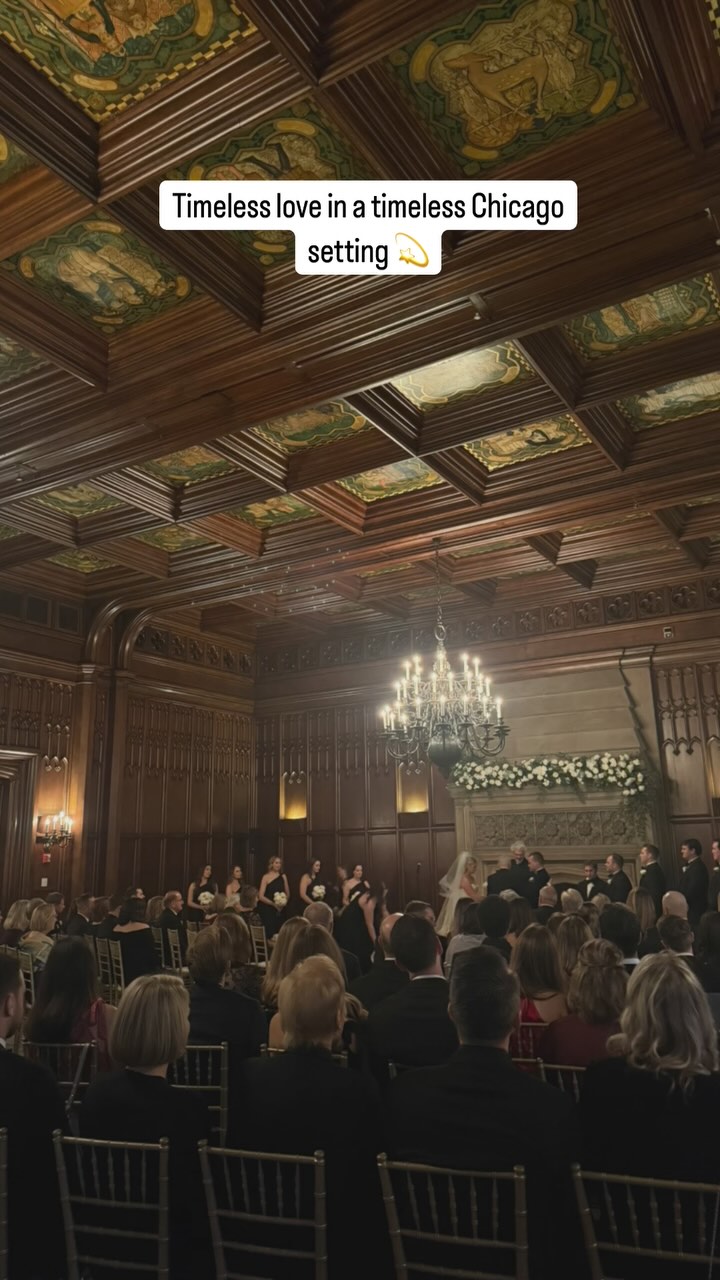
(53, 832)
(293, 797)
(412, 789)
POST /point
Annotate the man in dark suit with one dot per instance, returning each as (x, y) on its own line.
(79, 924)
(714, 878)
(676, 935)
(57, 900)
(618, 883)
(620, 925)
(322, 913)
(31, 1108)
(106, 926)
(503, 878)
(519, 868)
(652, 876)
(547, 904)
(384, 978)
(590, 883)
(477, 1111)
(171, 918)
(694, 880)
(412, 1027)
(536, 880)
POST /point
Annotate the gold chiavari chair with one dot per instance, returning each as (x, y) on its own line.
(3, 1206)
(626, 1218)
(449, 1222)
(531, 1066)
(158, 943)
(525, 1040)
(566, 1079)
(266, 1052)
(116, 969)
(114, 1198)
(175, 954)
(73, 1065)
(28, 973)
(89, 940)
(205, 1069)
(105, 972)
(266, 1207)
(260, 943)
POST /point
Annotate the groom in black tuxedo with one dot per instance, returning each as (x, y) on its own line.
(694, 880)
(652, 876)
(618, 883)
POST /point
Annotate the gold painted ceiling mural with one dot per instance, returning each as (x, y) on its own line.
(678, 400)
(188, 466)
(673, 309)
(102, 273)
(714, 14)
(12, 160)
(392, 481)
(524, 444)
(15, 361)
(463, 376)
(81, 561)
(285, 509)
(6, 533)
(78, 501)
(300, 145)
(106, 54)
(509, 78)
(173, 538)
(308, 428)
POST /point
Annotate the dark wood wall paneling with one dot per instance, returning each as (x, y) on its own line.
(687, 703)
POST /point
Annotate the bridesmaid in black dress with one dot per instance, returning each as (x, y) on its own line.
(357, 929)
(312, 885)
(204, 882)
(273, 888)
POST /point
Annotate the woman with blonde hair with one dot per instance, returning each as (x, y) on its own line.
(596, 998)
(570, 937)
(316, 941)
(660, 1089)
(246, 976)
(279, 964)
(16, 923)
(137, 1104)
(37, 941)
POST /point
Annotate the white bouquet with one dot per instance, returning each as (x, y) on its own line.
(280, 900)
(206, 899)
(318, 892)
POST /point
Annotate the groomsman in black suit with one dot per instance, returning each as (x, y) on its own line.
(618, 884)
(591, 882)
(652, 876)
(694, 880)
(537, 879)
(714, 885)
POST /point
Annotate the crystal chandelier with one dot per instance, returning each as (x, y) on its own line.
(446, 717)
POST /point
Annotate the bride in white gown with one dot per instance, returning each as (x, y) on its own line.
(458, 883)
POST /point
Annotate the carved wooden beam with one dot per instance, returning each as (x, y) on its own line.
(295, 28)
(339, 506)
(37, 204)
(45, 328)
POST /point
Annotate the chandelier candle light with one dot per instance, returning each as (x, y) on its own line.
(447, 717)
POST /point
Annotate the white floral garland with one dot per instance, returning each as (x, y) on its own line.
(600, 772)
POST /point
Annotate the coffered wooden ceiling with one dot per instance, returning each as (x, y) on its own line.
(187, 428)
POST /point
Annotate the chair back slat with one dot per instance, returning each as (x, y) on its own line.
(531, 1066)
(114, 1199)
(28, 972)
(455, 1223)
(158, 943)
(566, 1079)
(3, 1206)
(175, 960)
(260, 943)
(204, 1069)
(648, 1218)
(73, 1065)
(116, 969)
(102, 950)
(525, 1040)
(266, 1206)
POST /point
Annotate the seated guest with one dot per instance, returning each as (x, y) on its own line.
(31, 1109)
(521, 915)
(171, 918)
(618, 883)
(68, 1008)
(591, 884)
(16, 923)
(601, 901)
(154, 910)
(621, 926)
(247, 905)
(217, 1012)
(321, 914)
(502, 878)
(412, 1027)
(80, 922)
(596, 998)
(547, 904)
(313, 941)
(384, 978)
(246, 976)
(458, 922)
(279, 962)
(136, 940)
(537, 878)
(676, 935)
(572, 934)
(590, 914)
(675, 904)
(570, 902)
(57, 901)
(553, 924)
(641, 903)
(536, 964)
(708, 949)
(476, 1111)
(101, 906)
(115, 904)
(136, 1104)
(418, 908)
(38, 941)
(494, 918)
(648, 1110)
(301, 1101)
(472, 935)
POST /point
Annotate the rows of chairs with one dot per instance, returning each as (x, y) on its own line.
(271, 1211)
